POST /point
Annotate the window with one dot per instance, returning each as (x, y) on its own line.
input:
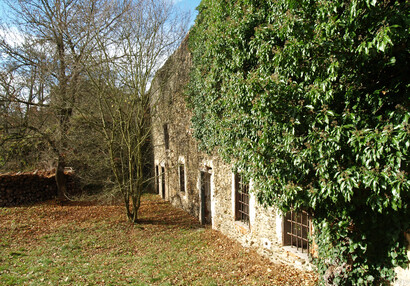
(163, 181)
(166, 136)
(206, 196)
(241, 199)
(157, 178)
(296, 228)
(182, 177)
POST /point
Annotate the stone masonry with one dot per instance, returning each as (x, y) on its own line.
(182, 171)
(202, 184)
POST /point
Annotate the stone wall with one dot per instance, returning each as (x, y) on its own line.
(168, 108)
(26, 188)
(403, 274)
(264, 231)
(171, 122)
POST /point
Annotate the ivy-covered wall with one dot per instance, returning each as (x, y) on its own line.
(311, 100)
(263, 234)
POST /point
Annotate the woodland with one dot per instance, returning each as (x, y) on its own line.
(74, 89)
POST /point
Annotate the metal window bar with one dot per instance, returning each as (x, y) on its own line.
(242, 190)
(299, 230)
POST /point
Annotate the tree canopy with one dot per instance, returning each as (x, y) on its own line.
(311, 100)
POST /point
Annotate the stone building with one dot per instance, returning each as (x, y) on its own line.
(205, 186)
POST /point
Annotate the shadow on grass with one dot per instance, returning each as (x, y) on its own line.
(155, 211)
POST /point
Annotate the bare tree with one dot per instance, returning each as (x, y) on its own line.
(47, 43)
(124, 66)
(65, 53)
(23, 102)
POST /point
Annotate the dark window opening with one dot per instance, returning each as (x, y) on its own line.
(163, 182)
(241, 199)
(296, 229)
(182, 177)
(157, 178)
(206, 199)
(166, 137)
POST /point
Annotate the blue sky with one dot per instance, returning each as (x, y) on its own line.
(185, 5)
(188, 5)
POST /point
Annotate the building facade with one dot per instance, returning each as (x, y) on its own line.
(205, 186)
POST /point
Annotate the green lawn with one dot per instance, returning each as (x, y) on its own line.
(89, 244)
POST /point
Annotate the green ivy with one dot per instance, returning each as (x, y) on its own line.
(311, 98)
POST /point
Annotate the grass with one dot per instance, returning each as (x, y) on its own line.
(89, 244)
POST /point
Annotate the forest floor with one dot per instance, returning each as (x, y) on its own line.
(89, 243)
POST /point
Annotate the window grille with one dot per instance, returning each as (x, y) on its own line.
(242, 199)
(296, 230)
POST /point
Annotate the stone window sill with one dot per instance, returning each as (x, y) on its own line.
(242, 227)
(293, 251)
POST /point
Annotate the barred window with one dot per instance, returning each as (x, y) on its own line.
(182, 177)
(241, 199)
(296, 230)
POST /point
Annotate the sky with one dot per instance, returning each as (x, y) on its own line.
(188, 5)
(185, 5)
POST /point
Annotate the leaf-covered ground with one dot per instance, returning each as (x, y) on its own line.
(85, 243)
